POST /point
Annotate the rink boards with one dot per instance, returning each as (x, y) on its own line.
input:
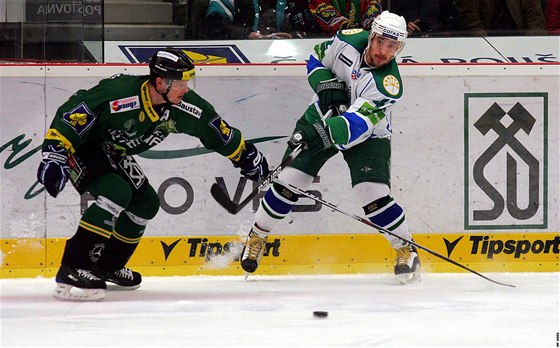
(303, 254)
(475, 165)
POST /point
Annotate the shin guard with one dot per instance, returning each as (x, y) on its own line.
(129, 229)
(278, 201)
(83, 249)
(387, 213)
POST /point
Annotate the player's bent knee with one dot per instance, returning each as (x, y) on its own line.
(385, 212)
(279, 201)
(146, 204)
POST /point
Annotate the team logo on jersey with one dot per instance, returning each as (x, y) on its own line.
(129, 126)
(168, 126)
(189, 108)
(223, 129)
(391, 85)
(356, 74)
(324, 10)
(373, 11)
(79, 118)
(125, 104)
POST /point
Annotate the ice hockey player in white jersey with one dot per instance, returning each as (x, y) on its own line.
(354, 75)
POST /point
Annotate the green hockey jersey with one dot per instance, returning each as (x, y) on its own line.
(119, 111)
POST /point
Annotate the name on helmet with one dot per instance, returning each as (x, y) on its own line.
(391, 34)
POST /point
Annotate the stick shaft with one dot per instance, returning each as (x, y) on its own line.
(223, 199)
(383, 230)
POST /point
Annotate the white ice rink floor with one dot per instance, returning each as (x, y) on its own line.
(443, 310)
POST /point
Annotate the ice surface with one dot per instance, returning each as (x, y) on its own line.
(456, 310)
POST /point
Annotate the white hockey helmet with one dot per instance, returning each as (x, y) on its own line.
(391, 26)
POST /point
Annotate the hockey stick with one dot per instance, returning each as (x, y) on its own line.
(382, 230)
(223, 199)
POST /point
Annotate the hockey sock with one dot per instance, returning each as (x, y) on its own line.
(276, 204)
(83, 249)
(100, 216)
(386, 213)
(116, 254)
(129, 229)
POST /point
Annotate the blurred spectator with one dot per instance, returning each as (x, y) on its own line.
(427, 17)
(224, 21)
(333, 15)
(302, 22)
(552, 14)
(259, 19)
(269, 20)
(501, 17)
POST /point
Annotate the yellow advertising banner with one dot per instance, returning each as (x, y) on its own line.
(303, 254)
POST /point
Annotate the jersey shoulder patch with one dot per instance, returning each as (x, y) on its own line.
(223, 129)
(388, 80)
(80, 118)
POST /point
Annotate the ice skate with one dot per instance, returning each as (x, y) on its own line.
(408, 264)
(123, 279)
(74, 284)
(252, 251)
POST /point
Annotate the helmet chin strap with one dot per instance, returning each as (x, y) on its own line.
(365, 57)
(164, 94)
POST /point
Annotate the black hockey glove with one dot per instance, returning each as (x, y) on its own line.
(53, 169)
(332, 95)
(315, 137)
(253, 164)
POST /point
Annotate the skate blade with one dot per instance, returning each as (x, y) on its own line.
(116, 287)
(406, 278)
(246, 275)
(67, 292)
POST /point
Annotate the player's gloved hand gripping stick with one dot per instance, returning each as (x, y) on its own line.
(297, 142)
(222, 197)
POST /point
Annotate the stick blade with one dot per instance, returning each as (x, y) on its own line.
(222, 198)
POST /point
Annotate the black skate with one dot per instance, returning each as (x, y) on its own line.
(407, 267)
(124, 279)
(74, 284)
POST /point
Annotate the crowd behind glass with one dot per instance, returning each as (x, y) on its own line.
(286, 19)
(70, 30)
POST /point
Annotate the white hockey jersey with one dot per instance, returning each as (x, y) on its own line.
(372, 91)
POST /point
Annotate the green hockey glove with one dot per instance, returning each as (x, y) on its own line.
(315, 137)
(332, 95)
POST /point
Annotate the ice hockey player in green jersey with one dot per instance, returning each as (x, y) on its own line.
(355, 75)
(92, 140)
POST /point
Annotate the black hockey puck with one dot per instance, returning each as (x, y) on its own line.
(320, 314)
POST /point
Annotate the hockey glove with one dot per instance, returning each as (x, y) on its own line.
(53, 169)
(332, 95)
(253, 164)
(315, 137)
